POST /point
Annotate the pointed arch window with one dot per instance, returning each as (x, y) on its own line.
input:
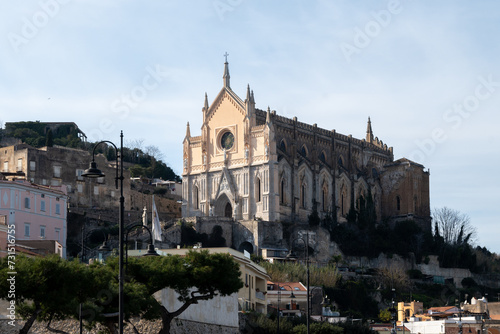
(282, 191)
(324, 197)
(196, 198)
(340, 162)
(303, 151)
(343, 200)
(258, 193)
(398, 203)
(303, 195)
(283, 145)
(322, 157)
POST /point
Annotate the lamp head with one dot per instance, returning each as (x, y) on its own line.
(291, 255)
(151, 251)
(292, 296)
(93, 171)
(104, 247)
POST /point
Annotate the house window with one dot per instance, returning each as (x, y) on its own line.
(26, 229)
(27, 203)
(58, 234)
(5, 166)
(57, 171)
(42, 231)
(19, 165)
(42, 206)
(79, 187)
(79, 173)
(32, 166)
(58, 209)
(96, 190)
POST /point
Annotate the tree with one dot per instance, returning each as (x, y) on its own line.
(49, 140)
(196, 276)
(39, 293)
(454, 227)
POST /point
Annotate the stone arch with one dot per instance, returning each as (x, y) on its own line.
(246, 246)
(221, 206)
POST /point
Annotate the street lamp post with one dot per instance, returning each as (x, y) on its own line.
(292, 296)
(306, 252)
(393, 312)
(151, 248)
(94, 172)
(105, 248)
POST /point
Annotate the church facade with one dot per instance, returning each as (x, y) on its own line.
(253, 164)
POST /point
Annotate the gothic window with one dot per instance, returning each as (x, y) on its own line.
(258, 194)
(343, 200)
(196, 199)
(303, 151)
(303, 195)
(341, 162)
(325, 198)
(228, 210)
(322, 157)
(282, 191)
(398, 203)
(283, 145)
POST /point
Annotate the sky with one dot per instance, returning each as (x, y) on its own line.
(427, 73)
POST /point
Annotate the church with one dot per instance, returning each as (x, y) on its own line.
(253, 164)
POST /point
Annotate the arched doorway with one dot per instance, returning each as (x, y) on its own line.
(228, 210)
(246, 246)
(223, 207)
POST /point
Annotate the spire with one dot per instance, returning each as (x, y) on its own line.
(268, 116)
(188, 132)
(252, 97)
(226, 72)
(369, 132)
(205, 107)
(248, 94)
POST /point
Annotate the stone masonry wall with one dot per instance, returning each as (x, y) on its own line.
(143, 327)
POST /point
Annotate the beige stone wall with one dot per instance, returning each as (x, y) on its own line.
(143, 327)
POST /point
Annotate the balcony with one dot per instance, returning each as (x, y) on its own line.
(260, 295)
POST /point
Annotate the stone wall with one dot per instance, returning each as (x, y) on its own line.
(143, 327)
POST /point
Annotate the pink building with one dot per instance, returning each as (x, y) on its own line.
(38, 212)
